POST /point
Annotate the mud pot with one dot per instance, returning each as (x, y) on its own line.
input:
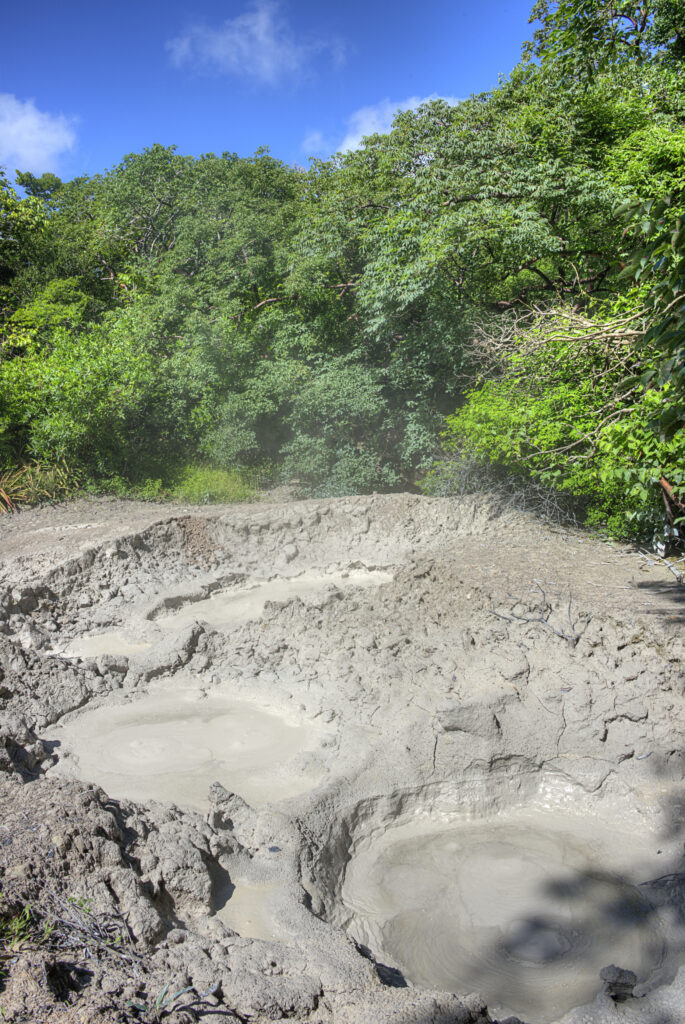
(388, 759)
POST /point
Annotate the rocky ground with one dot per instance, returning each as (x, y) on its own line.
(494, 659)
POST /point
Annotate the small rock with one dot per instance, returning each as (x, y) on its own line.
(111, 984)
(290, 552)
(618, 982)
(475, 1002)
(108, 663)
(85, 600)
(19, 871)
(61, 842)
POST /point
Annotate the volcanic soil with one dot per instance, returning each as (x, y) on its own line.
(386, 758)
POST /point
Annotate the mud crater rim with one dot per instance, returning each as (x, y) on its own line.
(522, 887)
(219, 604)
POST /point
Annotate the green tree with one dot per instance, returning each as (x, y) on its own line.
(587, 36)
(43, 187)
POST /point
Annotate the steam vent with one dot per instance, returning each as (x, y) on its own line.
(389, 759)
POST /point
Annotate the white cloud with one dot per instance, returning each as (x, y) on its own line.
(371, 120)
(258, 44)
(314, 144)
(378, 118)
(31, 139)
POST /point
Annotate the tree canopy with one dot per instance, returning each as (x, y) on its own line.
(509, 270)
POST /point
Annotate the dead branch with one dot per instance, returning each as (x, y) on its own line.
(527, 330)
(74, 927)
(542, 619)
(265, 302)
(655, 559)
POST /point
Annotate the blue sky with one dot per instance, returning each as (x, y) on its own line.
(84, 83)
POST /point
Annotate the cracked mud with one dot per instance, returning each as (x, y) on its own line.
(385, 758)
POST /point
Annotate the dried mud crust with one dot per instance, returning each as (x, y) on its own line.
(499, 647)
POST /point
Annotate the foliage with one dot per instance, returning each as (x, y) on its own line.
(155, 1010)
(43, 187)
(20, 929)
(201, 485)
(35, 483)
(21, 225)
(60, 303)
(341, 429)
(585, 36)
(595, 407)
(189, 483)
(660, 261)
(569, 411)
(228, 312)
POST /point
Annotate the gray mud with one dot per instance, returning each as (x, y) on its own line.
(518, 900)
(387, 758)
(172, 742)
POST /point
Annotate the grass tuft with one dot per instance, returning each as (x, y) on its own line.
(188, 483)
(34, 483)
(202, 485)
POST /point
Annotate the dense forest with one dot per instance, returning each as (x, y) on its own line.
(491, 291)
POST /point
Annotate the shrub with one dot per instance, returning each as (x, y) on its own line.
(569, 413)
(342, 431)
(200, 485)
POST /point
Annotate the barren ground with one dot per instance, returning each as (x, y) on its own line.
(292, 760)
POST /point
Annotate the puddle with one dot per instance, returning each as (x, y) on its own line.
(232, 607)
(248, 911)
(173, 746)
(114, 642)
(526, 908)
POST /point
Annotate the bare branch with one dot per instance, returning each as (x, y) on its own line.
(542, 618)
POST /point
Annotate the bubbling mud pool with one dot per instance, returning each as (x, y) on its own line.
(172, 743)
(526, 906)
(223, 610)
(229, 608)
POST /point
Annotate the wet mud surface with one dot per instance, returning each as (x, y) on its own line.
(172, 743)
(526, 902)
(386, 758)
